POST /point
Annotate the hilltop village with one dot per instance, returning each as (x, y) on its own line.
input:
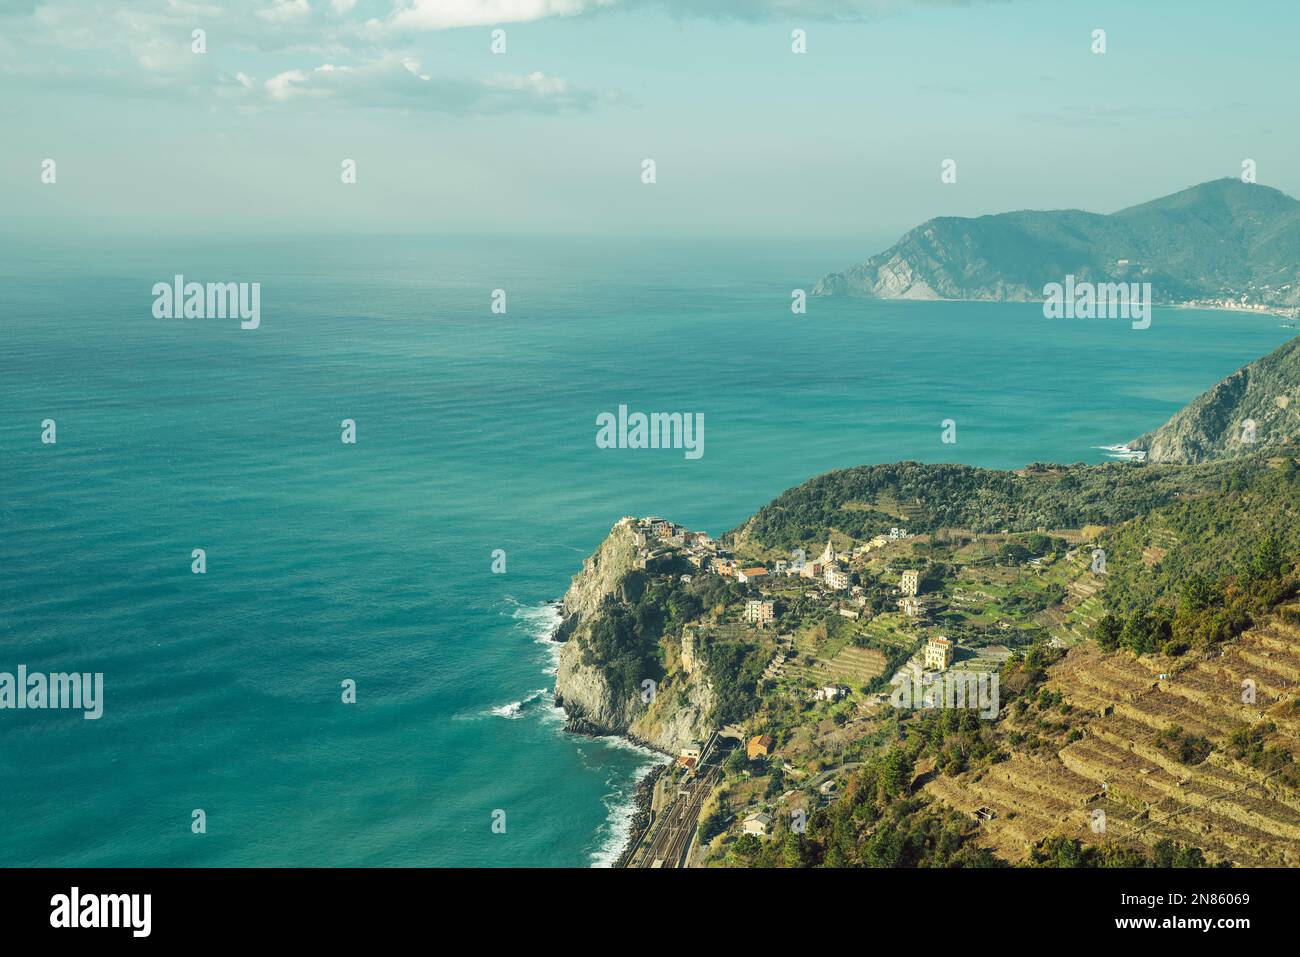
(800, 650)
(892, 579)
(806, 698)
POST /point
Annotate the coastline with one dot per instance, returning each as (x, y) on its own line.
(1290, 313)
(587, 712)
(642, 799)
(639, 805)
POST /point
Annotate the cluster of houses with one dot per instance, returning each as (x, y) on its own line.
(1240, 304)
(657, 537)
(829, 568)
(880, 541)
(759, 822)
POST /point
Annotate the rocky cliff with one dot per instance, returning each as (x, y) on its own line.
(665, 716)
(1252, 410)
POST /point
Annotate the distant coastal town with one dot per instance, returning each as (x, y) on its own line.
(1242, 304)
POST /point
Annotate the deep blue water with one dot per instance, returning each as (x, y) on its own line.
(373, 562)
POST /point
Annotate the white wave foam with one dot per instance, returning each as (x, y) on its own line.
(540, 621)
(620, 806)
(1122, 452)
(516, 708)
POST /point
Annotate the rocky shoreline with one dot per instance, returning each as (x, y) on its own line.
(641, 801)
(578, 723)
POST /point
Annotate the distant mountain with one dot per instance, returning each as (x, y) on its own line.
(1220, 240)
(1254, 409)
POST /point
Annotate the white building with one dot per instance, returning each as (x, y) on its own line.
(758, 612)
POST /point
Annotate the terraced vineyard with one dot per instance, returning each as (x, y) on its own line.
(850, 665)
(1233, 811)
(1083, 606)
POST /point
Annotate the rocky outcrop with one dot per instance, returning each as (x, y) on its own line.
(1252, 410)
(601, 579)
(665, 717)
(1220, 240)
(930, 262)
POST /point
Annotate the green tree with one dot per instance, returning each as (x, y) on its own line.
(1269, 560)
(1107, 631)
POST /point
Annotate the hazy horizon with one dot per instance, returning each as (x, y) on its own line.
(843, 142)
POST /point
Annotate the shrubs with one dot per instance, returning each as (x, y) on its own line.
(1071, 852)
(1189, 749)
(1146, 632)
(734, 670)
(959, 496)
(1213, 560)
(1200, 611)
(621, 648)
(1249, 743)
(712, 825)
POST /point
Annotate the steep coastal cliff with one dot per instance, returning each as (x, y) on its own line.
(610, 652)
(1254, 409)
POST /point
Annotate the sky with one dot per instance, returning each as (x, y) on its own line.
(749, 139)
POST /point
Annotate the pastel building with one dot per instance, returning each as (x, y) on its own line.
(938, 654)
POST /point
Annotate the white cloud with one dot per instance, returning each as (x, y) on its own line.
(413, 65)
(282, 85)
(397, 82)
(450, 14)
(105, 47)
(413, 15)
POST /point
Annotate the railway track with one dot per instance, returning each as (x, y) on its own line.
(672, 830)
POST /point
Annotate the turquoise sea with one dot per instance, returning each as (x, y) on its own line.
(372, 562)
